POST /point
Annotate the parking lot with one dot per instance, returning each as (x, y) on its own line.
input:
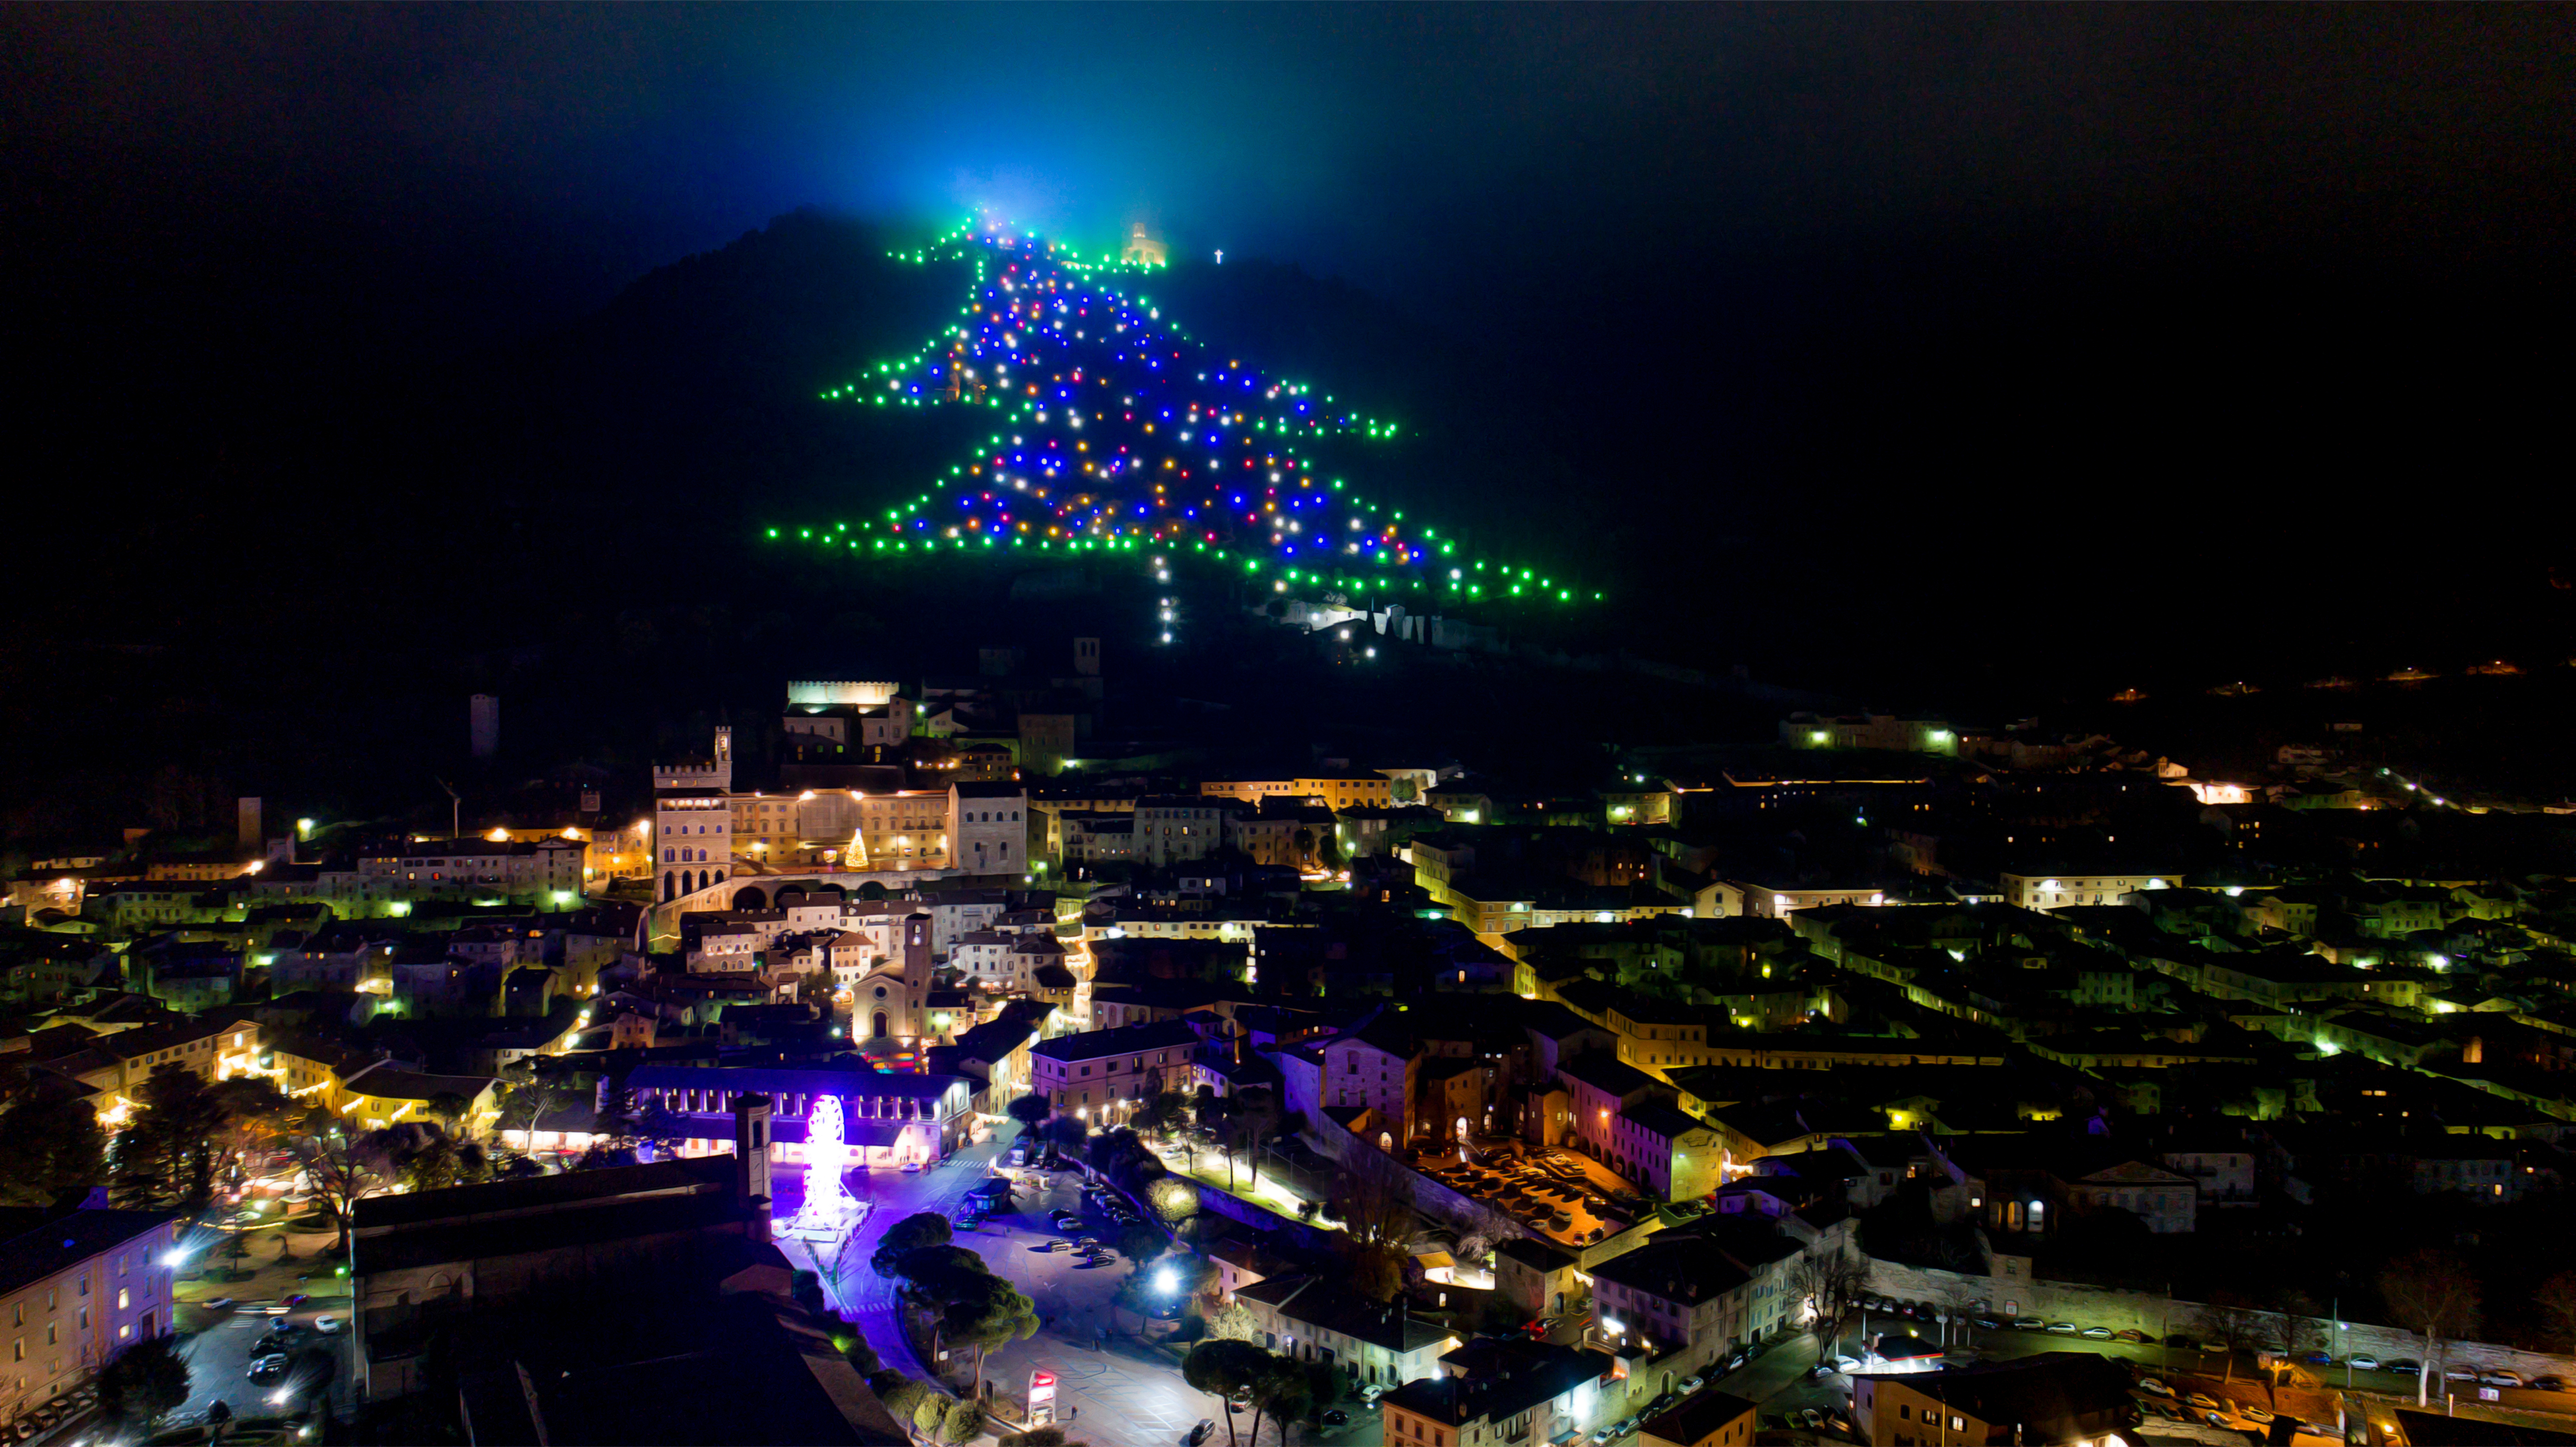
(1563, 1195)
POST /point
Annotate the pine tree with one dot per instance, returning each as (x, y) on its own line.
(166, 1157)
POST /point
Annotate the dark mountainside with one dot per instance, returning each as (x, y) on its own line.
(1966, 508)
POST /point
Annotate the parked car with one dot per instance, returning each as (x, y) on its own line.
(2150, 1384)
(1373, 1391)
(1814, 1419)
(2255, 1415)
(1988, 1323)
(2364, 1363)
(1846, 1364)
(2098, 1333)
(327, 1324)
(218, 1303)
(1689, 1385)
(1540, 1326)
(2203, 1400)
(2459, 1374)
(2132, 1334)
(268, 1368)
(2028, 1323)
(1337, 1418)
(2499, 1377)
(2062, 1328)
(1200, 1433)
(2549, 1384)
(2214, 1419)
(2408, 1365)
(912, 1168)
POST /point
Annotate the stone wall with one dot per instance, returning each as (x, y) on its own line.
(1214, 1201)
(1436, 1200)
(2160, 1316)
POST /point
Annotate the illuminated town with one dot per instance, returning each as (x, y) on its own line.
(1372, 726)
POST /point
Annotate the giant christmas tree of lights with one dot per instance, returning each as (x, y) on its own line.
(1115, 433)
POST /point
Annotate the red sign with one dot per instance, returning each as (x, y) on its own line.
(1041, 1398)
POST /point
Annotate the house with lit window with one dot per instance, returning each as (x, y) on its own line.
(78, 1283)
(1314, 1320)
(1501, 1392)
(1100, 1075)
(1674, 1156)
(2044, 892)
(1691, 1295)
(1178, 828)
(1601, 1090)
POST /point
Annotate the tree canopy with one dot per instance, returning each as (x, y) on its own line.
(143, 1382)
(49, 1144)
(166, 1157)
(913, 1232)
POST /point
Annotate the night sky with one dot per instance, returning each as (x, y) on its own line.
(2076, 318)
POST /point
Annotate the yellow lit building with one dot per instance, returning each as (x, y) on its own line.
(1333, 791)
(384, 1094)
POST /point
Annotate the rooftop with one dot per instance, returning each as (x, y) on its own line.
(36, 1242)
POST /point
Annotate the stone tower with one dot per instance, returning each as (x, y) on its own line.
(751, 1158)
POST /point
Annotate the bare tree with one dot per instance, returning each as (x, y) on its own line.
(1830, 1287)
(340, 1167)
(2293, 1328)
(1954, 1299)
(2233, 1323)
(1376, 1207)
(1376, 1201)
(2556, 1301)
(2431, 1293)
